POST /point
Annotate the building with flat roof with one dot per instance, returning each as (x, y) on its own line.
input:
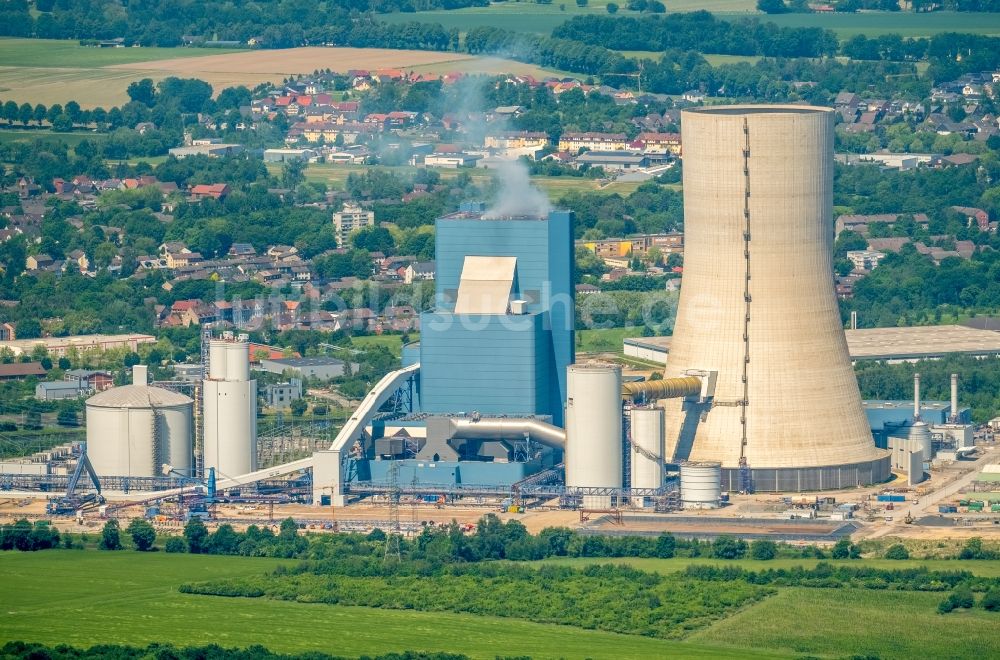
(281, 395)
(323, 368)
(613, 160)
(351, 218)
(60, 389)
(284, 155)
(211, 150)
(58, 346)
(890, 344)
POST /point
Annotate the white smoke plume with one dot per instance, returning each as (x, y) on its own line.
(516, 195)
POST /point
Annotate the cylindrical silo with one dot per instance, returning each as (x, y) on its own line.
(229, 412)
(701, 485)
(134, 429)
(238, 361)
(594, 429)
(921, 440)
(647, 447)
(230, 431)
(217, 358)
(758, 306)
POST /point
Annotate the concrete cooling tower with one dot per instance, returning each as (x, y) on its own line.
(758, 306)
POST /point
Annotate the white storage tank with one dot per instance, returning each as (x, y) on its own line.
(594, 429)
(217, 359)
(920, 436)
(134, 429)
(647, 447)
(230, 418)
(916, 438)
(701, 485)
(230, 409)
(238, 361)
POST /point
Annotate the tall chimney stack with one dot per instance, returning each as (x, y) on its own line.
(954, 398)
(854, 320)
(916, 397)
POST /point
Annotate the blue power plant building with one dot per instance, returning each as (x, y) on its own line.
(501, 336)
(496, 346)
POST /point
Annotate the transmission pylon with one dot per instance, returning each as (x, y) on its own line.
(392, 550)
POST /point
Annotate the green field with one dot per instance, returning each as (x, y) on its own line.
(89, 597)
(904, 23)
(542, 19)
(335, 176)
(393, 342)
(72, 139)
(58, 53)
(858, 622)
(56, 71)
(604, 340)
(514, 16)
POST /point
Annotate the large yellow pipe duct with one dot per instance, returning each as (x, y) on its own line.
(667, 388)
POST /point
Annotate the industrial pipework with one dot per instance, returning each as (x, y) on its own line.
(667, 388)
(507, 428)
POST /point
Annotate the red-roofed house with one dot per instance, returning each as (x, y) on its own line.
(209, 190)
(384, 75)
(661, 142)
(259, 351)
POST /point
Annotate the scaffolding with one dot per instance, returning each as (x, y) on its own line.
(626, 442)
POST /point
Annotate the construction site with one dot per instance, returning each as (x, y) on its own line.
(756, 428)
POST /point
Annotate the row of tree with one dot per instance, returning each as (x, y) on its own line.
(601, 596)
(269, 23)
(839, 576)
(699, 31)
(34, 651)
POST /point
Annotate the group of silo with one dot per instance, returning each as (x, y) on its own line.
(595, 451)
(758, 310)
(135, 430)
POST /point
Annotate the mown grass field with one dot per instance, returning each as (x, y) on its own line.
(8, 136)
(542, 19)
(905, 23)
(85, 598)
(859, 622)
(524, 16)
(61, 53)
(392, 342)
(335, 176)
(604, 340)
(55, 71)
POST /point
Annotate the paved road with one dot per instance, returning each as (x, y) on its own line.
(931, 499)
(340, 400)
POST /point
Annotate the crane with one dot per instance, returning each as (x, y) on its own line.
(71, 502)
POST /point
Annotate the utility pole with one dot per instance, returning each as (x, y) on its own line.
(392, 551)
